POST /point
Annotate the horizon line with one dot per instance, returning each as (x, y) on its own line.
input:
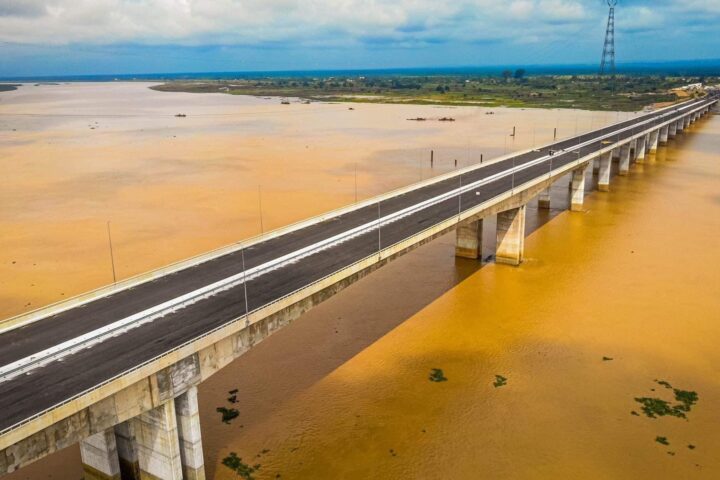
(658, 64)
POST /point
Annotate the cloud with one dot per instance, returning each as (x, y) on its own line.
(279, 33)
(22, 8)
(193, 22)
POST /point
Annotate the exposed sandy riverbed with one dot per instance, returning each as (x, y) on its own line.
(343, 392)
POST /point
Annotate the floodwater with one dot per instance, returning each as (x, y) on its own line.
(74, 157)
(344, 392)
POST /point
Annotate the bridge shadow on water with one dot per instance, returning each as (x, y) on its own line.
(322, 340)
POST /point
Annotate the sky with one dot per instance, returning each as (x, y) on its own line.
(65, 37)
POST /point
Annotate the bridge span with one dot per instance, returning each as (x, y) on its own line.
(117, 369)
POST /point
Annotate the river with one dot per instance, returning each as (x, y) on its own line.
(608, 301)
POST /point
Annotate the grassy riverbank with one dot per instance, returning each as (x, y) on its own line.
(512, 89)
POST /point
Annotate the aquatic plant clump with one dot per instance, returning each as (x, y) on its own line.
(437, 375)
(235, 463)
(228, 414)
(500, 381)
(687, 398)
(657, 407)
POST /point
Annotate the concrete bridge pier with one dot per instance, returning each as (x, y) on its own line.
(653, 142)
(544, 199)
(510, 236)
(672, 130)
(625, 159)
(604, 173)
(595, 164)
(100, 457)
(127, 452)
(577, 191)
(468, 240)
(680, 126)
(188, 423)
(640, 151)
(156, 441)
(664, 134)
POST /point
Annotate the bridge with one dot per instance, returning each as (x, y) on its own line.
(116, 369)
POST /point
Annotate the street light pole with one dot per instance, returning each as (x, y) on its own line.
(379, 238)
(112, 256)
(245, 292)
(262, 229)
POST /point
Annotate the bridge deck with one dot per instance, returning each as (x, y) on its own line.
(43, 387)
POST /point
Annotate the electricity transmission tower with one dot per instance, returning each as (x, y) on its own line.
(607, 65)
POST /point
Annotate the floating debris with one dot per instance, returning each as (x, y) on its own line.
(662, 440)
(446, 119)
(417, 119)
(180, 115)
(607, 359)
(691, 446)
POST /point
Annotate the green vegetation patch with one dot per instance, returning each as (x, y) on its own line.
(504, 88)
(663, 383)
(657, 407)
(437, 375)
(500, 381)
(232, 396)
(243, 470)
(228, 414)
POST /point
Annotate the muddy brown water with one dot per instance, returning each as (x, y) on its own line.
(343, 392)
